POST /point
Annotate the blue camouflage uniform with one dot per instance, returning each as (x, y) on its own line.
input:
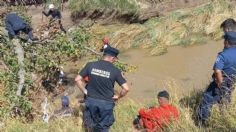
(15, 24)
(226, 62)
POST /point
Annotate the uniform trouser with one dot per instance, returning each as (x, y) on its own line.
(61, 27)
(60, 24)
(98, 114)
(214, 95)
(26, 30)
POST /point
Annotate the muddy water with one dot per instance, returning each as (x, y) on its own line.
(188, 68)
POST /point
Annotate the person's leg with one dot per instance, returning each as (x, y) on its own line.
(61, 26)
(88, 116)
(106, 117)
(226, 91)
(137, 123)
(10, 30)
(210, 97)
(11, 33)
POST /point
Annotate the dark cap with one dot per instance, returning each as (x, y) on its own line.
(65, 101)
(230, 36)
(163, 93)
(111, 51)
(229, 23)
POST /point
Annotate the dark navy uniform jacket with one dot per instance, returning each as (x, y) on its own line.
(226, 61)
(54, 13)
(14, 22)
(102, 76)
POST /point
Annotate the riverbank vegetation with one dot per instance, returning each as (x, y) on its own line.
(126, 110)
(181, 27)
(184, 27)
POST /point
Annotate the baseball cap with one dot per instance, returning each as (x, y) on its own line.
(163, 93)
(111, 51)
(230, 36)
(51, 6)
(65, 101)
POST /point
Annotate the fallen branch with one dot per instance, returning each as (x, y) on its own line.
(95, 52)
(21, 73)
(99, 54)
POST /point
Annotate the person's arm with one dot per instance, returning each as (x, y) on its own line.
(59, 15)
(79, 81)
(9, 28)
(146, 113)
(218, 77)
(218, 67)
(125, 88)
(123, 92)
(47, 13)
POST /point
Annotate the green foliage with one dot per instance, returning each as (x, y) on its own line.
(10, 79)
(125, 67)
(38, 59)
(203, 9)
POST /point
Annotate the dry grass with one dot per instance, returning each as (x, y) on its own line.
(126, 110)
(181, 27)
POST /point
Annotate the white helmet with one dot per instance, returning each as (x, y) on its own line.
(51, 6)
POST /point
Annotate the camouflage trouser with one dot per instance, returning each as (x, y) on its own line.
(214, 95)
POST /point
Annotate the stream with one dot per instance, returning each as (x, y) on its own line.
(185, 68)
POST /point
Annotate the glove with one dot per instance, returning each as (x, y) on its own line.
(30, 41)
(85, 91)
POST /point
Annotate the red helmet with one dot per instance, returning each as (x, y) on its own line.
(105, 40)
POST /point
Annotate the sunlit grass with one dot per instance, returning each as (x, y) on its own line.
(126, 110)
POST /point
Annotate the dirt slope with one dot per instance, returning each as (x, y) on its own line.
(148, 9)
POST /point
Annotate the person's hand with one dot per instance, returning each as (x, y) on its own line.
(30, 41)
(85, 92)
(116, 97)
(218, 84)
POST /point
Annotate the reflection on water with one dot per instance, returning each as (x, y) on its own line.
(189, 68)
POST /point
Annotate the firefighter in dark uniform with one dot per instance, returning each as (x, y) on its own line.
(55, 14)
(220, 89)
(15, 24)
(99, 103)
